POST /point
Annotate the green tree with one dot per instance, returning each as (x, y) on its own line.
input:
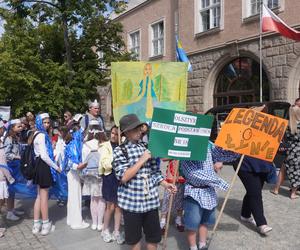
(42, 70)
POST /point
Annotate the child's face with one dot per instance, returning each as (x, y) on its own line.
(17, 128)
(134, 135)
(114, 135)
(46, 123)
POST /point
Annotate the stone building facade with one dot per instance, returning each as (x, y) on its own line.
(281, 63)
(222, 42)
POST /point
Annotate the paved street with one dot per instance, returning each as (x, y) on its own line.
(282, 214)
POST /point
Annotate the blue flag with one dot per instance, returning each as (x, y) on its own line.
(181, 55)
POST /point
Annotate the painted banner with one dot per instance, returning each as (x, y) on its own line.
(252, 133)
(138, 87)
(179, 135)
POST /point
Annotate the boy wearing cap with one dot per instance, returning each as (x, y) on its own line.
(139, 176)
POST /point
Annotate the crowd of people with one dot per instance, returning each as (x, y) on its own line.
(77, 164)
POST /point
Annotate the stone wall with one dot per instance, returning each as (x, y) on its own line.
(280, 62)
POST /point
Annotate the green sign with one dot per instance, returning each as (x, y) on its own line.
(179, 135)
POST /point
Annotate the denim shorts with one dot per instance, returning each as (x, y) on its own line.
(194, 215)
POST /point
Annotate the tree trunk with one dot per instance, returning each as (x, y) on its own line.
(67, 42)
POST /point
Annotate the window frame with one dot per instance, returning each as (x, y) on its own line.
(247, 12)
(151, 36)
(130, 45)
(198, 25)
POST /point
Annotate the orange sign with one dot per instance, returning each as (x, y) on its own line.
(252, 133)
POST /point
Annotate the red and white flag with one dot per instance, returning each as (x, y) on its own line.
(271, 22)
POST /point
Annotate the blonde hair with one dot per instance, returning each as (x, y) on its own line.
(294, 113)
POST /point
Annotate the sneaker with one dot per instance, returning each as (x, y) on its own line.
(248, 220)
(106, 236)
(36, 228)
(100, 227)
(94, 227)
(83, 225)
(117, 236)
(264, 229)
(11, 216)
(18, 212)
(47, 228)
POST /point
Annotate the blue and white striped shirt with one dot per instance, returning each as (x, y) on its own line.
(201, 174)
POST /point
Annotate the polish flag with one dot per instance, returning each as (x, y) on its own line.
(271, 22)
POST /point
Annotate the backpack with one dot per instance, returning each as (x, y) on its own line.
(28, 167)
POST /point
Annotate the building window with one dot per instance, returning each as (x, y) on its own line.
(273, 4)
(135, 44)
(238, 82)
(255, 5)
(157, 39)
(210, 14)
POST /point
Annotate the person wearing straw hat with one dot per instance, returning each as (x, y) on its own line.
(139, 178)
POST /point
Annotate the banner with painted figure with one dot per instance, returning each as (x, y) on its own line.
(138, 87)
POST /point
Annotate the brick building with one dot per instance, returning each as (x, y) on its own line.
(221, 39)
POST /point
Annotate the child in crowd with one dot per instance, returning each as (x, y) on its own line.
(13, 156)
(92, 180)
(45, 174)
(5, 176)
(110, 188)
(73, 165)
(200, 197)
(178, 199)
(59, 153)
(139, 178)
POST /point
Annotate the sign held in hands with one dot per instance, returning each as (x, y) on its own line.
(252, 133)
(179, 135)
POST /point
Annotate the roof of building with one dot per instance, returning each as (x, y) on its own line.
(132, 4)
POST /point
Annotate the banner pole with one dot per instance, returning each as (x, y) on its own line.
(119, 135)
(260, 55)
(164, 247)
(226, 198)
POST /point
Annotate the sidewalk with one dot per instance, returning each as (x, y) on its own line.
(282, 214)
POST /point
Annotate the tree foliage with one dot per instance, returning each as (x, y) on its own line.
(54, 54)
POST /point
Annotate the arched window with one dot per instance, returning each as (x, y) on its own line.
(238, 82)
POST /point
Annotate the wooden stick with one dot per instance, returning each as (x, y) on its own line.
(226, 198)
(119, 135)
(164, 247)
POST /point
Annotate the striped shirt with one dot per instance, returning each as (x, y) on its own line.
(139, 194)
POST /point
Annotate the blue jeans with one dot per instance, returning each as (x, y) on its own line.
(194, 215)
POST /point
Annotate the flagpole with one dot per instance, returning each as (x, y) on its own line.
(260, 55)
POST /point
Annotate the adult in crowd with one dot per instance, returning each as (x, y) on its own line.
(68, 119)
(293, 160)
(110, 189)
(13, 157)
(281, 157)
(46, 174)
(92, 114)
(25, 129)
(253, 174)
(30, 117)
